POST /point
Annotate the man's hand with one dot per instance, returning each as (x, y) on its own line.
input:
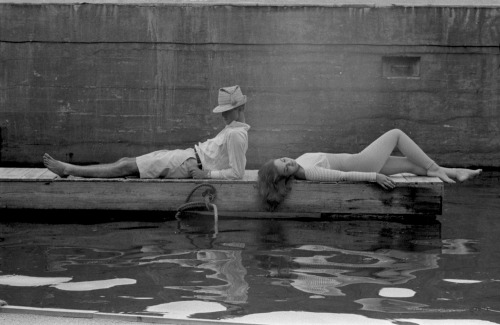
(198, 173)
(385, 181)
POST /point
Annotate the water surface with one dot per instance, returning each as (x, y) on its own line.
(266, 271)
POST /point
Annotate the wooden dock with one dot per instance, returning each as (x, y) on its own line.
(39, 188)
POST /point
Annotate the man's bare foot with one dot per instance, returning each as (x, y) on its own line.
(439, 172)
(55, 166)
(463, 174)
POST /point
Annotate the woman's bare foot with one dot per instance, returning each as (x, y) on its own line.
(55, 166)
(463, 174)
(438, 171)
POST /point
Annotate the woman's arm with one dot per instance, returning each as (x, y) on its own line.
(331, 175)
(320, 174)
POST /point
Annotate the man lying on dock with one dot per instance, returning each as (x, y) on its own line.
(223, 157)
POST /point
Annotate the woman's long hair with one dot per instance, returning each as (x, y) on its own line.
(272, 187)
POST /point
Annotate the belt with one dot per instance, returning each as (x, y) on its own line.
(198, 160)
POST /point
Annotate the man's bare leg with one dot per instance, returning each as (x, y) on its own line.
(121, 168)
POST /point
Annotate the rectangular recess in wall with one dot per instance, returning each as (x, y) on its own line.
(401, 66)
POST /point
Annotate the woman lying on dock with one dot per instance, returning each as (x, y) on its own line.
(373, 164)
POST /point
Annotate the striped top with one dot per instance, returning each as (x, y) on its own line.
(317, 168)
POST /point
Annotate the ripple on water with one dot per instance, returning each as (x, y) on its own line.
(326, 272)
(396, 293)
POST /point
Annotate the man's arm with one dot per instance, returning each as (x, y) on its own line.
(198, 173)
(237, 145)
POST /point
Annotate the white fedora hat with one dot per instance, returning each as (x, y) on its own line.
(229, 98)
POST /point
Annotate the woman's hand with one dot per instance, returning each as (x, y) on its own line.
(385, 181)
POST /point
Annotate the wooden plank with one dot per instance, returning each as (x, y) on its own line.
(13, 173)
(413, 195)
(47, 174)
(255, 214)
(28, 174)
(35, 173)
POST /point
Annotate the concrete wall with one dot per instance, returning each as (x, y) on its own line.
(96, 82)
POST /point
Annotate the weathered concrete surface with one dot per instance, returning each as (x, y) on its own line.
(95, 82)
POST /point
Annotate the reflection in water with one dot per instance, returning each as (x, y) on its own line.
(226, 265)
(93, 285)
(137, 298)
(399, 306)
(184, 309)
(58, 259)
(228, 268)
(62, 283)
(459, 246)
(463, 281)
(329, 268)
(396, 293)
(301, 317)
(356, 235)
(313, 257)
(30, 281)
(256, 268)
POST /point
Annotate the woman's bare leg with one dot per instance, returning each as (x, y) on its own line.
(460, 174)
(121, 168)
(376, 156)
(396, 165)
(379, 151)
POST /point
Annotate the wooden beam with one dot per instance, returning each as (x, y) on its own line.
(413, 195)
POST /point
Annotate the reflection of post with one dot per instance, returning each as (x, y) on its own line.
(185, 224)
(228, 268)
(216, 220)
